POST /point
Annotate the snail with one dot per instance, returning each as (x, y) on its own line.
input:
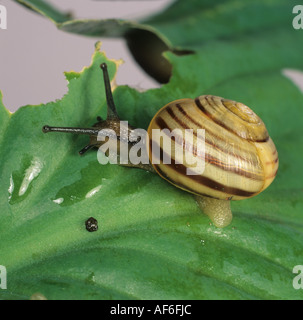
(240, 158)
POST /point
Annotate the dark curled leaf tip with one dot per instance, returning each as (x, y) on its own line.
(103, 66)
(46, 129)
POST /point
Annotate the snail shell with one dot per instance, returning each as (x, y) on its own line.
(241, 159)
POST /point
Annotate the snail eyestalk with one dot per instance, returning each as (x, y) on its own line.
(111, 110)
(86, 148)
(102, 127)
(217, 210)
(87, 131)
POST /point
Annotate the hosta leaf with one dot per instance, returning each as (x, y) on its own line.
(202, 21)
(186, 25)
(46, 9)
(153, 242)
(183, 28)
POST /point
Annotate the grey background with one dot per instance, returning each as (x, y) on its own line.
(34, 54)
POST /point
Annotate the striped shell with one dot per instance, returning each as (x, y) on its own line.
(241, 160)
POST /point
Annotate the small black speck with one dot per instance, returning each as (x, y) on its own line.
(91, 224)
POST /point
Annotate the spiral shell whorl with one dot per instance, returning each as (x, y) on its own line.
(233, 116)
(240, 158)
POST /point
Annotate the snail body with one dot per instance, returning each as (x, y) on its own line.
(240, 159)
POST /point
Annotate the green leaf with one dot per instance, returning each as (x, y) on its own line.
(153, 242)
(203, 21)
(185, 27)
(44, 8)
(197, 21)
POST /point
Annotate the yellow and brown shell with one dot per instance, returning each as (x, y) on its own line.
(241, 159)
